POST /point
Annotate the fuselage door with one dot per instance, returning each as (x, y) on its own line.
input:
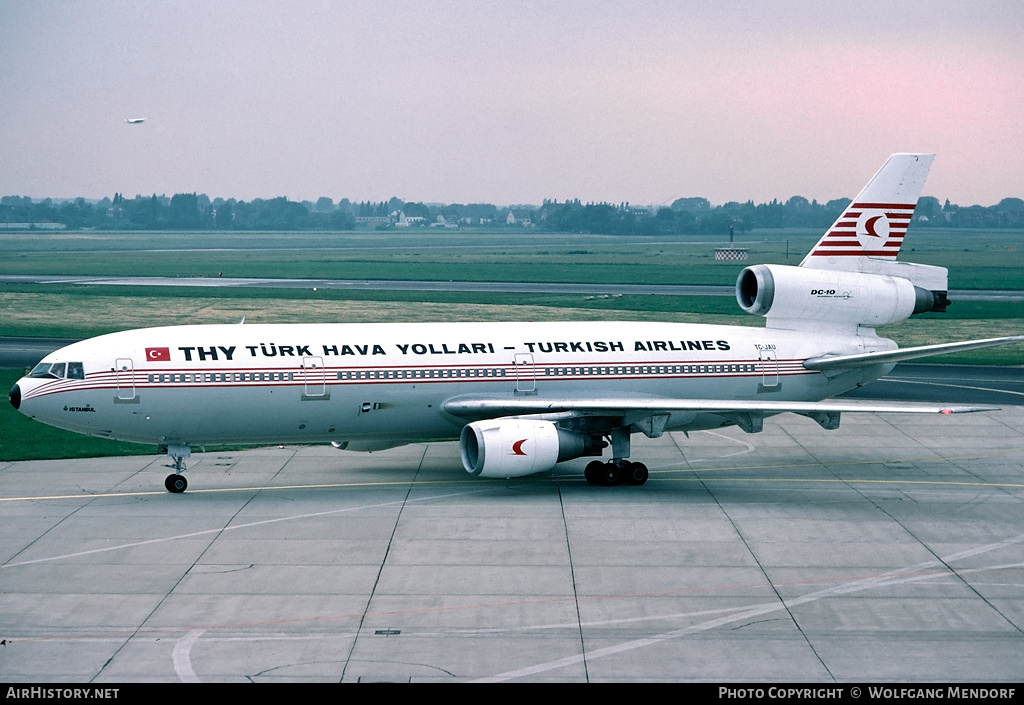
(769, 368)
(124, 371)
(526, 375)
(314, 375)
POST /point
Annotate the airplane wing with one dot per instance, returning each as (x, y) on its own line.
(481, 408)
(492, 407)
(650, 415)
(828, 363)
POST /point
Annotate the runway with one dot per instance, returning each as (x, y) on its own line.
(964, 384)
(890, 549)
(23, 353)
(588, 288)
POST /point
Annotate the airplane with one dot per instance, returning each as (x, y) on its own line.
(521, 397)
(134, 121)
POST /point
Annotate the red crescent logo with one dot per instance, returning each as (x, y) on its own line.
(873, 230)
(517, 447)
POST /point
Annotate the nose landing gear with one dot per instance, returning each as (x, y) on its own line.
(176, 481)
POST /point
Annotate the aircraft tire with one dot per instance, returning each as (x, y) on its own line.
(636, 474)
(611, 475)
(594, 472)
(175, 483)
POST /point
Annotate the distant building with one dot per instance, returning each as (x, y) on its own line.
(523, 220)
(442, 223)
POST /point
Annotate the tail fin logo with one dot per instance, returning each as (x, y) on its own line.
(866, 229)
(872, 229)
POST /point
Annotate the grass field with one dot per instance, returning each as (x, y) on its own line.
(68, 311)
(977, 259)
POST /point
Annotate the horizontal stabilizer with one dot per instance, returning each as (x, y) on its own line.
(827, 363)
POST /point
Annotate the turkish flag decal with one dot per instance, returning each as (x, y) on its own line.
(158, 354)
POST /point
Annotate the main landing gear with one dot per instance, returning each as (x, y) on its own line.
(616, 472)
(176, 482)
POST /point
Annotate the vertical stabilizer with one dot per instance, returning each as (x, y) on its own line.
(873, 225)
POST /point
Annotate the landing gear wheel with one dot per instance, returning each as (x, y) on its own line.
(594, 472)
(176, 483)
(611, 475)
(616, 473)
(636, 474)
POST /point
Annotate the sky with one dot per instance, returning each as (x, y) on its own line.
(508, 102)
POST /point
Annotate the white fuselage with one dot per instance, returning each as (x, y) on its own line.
(375, 385)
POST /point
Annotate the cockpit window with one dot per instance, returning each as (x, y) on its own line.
(41, 370)
(58, 370)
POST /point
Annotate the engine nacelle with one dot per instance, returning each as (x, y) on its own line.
(780, 292)
(518, 447)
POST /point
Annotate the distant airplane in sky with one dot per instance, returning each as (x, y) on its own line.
(520, 396)
(134, 121)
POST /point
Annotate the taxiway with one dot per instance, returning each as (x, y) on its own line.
(890, 549)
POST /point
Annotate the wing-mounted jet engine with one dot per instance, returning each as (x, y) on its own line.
(513, 447)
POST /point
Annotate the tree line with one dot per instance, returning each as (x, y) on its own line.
(685, 216)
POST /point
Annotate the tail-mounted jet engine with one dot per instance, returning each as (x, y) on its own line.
(518, 447)
(784, 293)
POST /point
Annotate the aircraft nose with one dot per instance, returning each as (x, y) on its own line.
(15, 396)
